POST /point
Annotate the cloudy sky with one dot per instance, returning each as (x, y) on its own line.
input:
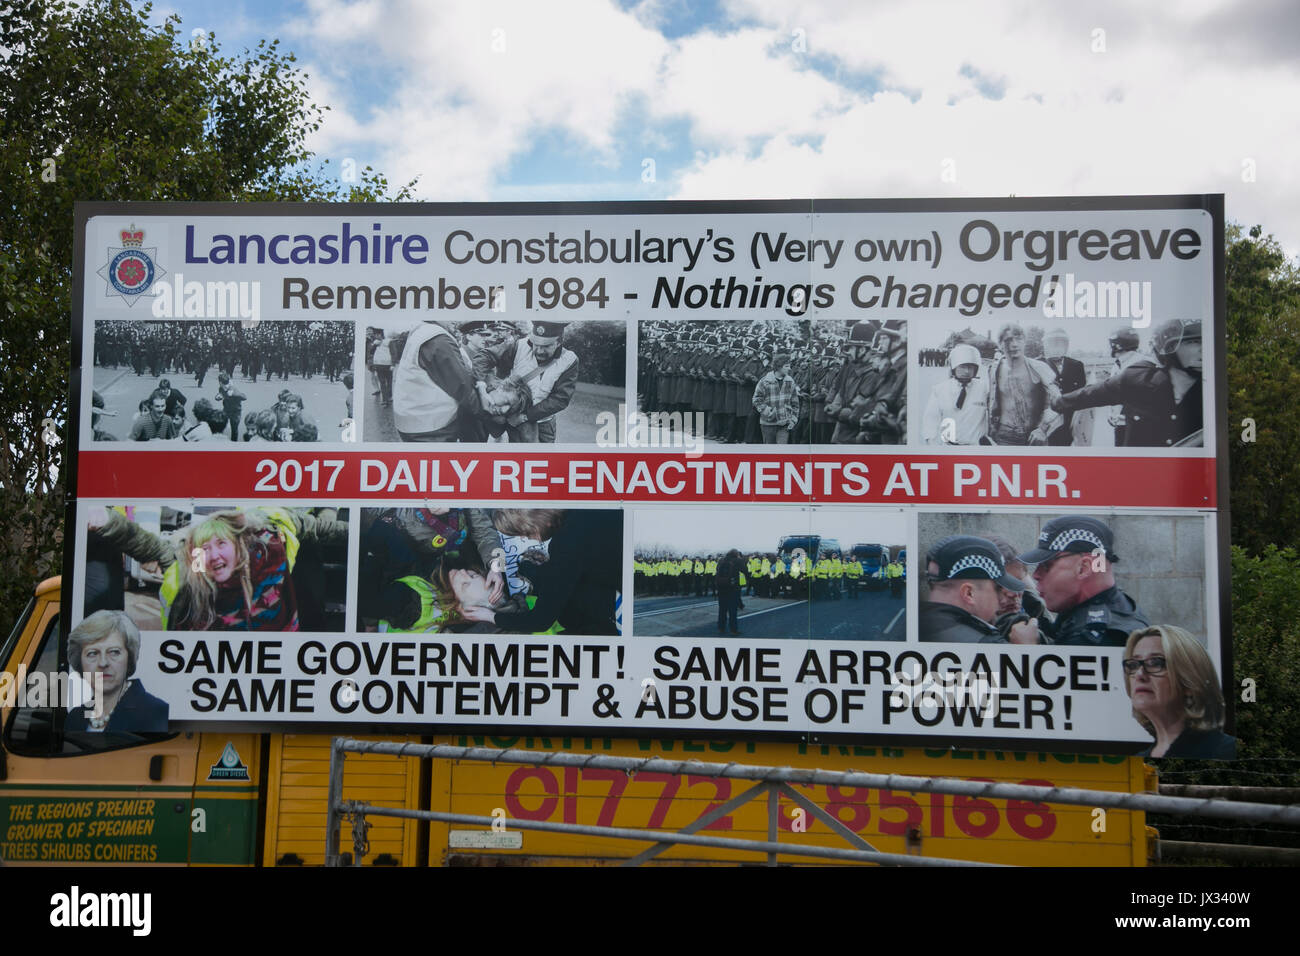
(723, 99)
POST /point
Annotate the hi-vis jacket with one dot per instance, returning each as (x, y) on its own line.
(430, 613)
(419, 403)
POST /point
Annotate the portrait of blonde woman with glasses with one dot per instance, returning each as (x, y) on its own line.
(1176, 694)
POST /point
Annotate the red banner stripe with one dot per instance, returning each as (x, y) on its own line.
(1028, 479)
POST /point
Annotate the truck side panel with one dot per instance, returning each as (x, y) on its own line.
(935, 825)
(299, 781)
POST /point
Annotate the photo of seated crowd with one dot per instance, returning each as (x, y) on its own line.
(1034, 579)
(843, 583)
(778, 381)
(440, 569)
(218, 381)
(483, 380)
(1086, 384)
(218, 568)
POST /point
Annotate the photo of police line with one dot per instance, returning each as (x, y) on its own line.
(222, 381)
(444, 569)
(778, 381)
(1085, 384)
(769, 573)
(483, 380)
(990, 579)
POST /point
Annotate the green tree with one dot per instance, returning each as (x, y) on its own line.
(1263, 367)
(1263, 371)
(98, 104)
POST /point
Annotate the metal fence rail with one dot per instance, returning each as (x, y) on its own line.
(773, 782)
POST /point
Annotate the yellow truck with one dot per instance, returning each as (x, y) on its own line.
(259, 799)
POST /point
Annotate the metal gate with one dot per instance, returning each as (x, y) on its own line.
(770, 782)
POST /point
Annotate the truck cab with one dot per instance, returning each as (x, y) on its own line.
(181, 798)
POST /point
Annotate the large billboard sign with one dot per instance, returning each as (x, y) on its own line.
(909, 470)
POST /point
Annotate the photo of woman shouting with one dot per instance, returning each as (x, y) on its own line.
(231, 569)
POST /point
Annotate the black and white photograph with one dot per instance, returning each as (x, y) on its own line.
(176, 567)
(770, 573)
(1084, 384)
(537, 381)
(222, 381)
(447, 569)
(724, 381)
(776, 381)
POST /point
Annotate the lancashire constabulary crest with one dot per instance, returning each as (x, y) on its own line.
(131, 269)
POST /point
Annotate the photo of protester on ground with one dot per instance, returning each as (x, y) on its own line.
(1083, 384)
(104, 649)
(777, 381)
(1042, 579)
(262, 568)
(506, 570)
(206, 381)
(754, 573)
(480, 380)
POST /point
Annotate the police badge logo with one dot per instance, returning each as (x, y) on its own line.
(131, 270)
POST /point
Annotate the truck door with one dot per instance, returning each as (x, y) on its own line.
(85, 798)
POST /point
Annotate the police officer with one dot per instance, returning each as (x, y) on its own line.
(958, 410)
(550, 372)
(894, 573)
(964, 573)
(1162, 402)
(1070, 376)
(1075, 580)
(852, 575)
(1124, 350)
(884, 419)
(855, 384)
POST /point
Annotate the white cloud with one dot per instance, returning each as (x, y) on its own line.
(1151, 114)
(482, 81)
(742, 86)
(1018, 95)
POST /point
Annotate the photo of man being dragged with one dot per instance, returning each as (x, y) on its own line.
(494, 381)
